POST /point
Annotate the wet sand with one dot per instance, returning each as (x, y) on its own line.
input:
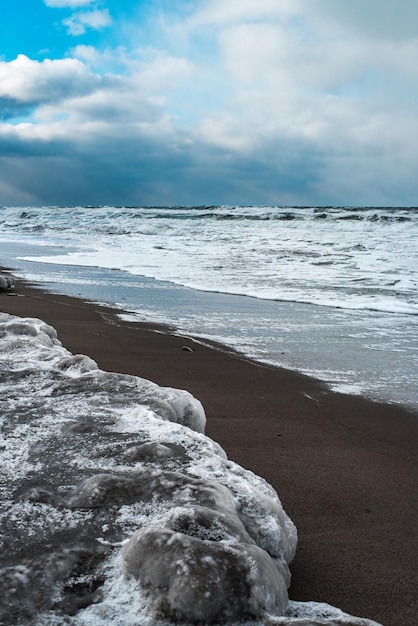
(344, 467)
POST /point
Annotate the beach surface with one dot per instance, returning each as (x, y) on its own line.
(345, 468)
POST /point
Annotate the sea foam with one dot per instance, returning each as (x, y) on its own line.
(117, 509)
(290, 275)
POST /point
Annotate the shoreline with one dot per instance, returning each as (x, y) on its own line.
(344, 467)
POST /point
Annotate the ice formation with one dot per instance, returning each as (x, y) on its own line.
(6, 282)
(117, 509)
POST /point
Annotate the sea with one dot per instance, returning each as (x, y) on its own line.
(115, 507)
(327, 291)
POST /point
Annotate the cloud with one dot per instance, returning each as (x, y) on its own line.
(291, 74)
(218, 12)
(71, 4)
(54, 89)
(24, 81)
(146, 164)
(230, 102)
(390, 20)
(79, 23)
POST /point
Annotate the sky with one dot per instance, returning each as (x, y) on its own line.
(201, 102)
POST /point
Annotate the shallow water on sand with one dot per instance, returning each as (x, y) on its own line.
(354, 351)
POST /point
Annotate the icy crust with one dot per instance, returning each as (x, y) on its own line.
(117, 509)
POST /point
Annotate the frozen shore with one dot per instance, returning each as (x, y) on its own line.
(203, 498)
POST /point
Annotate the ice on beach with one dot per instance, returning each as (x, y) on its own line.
(6, 283)
(117, 509)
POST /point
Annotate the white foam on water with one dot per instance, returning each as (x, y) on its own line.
(361, 262)
(322, 290)
(337, 258)
(98, 466)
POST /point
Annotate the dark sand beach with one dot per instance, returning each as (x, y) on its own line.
(344, 467)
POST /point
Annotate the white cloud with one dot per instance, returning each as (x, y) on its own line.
(71, 4)
(161, 73)
(110, 108)
(79, 23)
(212, 12)
(267, 56)
(89, 54)
(388, 19)
(64, 96)
(283, 64)
(28, 81)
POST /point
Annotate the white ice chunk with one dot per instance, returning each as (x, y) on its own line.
(117, 509)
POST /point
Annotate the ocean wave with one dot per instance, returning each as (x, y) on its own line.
(387, 297)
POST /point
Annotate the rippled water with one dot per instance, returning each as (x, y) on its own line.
(328, 291)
